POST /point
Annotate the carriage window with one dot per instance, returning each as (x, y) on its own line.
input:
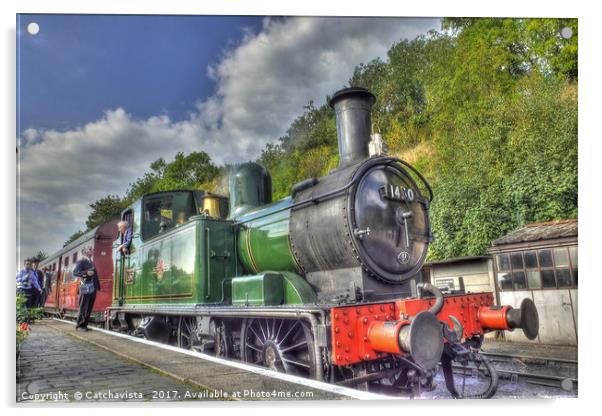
(66, 261)
(74, 257)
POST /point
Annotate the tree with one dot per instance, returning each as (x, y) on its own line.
(40, 256)
(105, 209)
(188, 171)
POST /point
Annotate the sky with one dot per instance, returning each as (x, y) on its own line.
(99, 97)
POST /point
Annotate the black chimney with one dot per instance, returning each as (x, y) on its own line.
(352, 107)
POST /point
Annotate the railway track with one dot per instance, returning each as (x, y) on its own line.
(495, 356)
(543, 371)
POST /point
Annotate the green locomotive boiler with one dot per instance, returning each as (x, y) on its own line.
(322, 284)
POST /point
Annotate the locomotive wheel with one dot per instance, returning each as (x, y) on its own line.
(187, 334)
(283, 345)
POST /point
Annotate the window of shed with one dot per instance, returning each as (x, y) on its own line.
(530, 260)
(534, 279)
(518, 280)
(504, 281)
(576, 276)
(545, 258)
(573, 254)
(548, 279)
(516, 259)
(561, 257)
(503, 262)
(564, 278)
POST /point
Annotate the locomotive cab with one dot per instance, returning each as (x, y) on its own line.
(164, 260)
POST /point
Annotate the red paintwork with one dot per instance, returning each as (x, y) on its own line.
(350, 326)
(359, 335)
(464, 307)
(64, 293)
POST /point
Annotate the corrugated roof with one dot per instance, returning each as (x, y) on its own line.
(540, 231)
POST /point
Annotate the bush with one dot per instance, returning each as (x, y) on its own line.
(25, 317)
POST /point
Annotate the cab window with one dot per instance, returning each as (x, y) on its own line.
(158, 215)
(164, 211)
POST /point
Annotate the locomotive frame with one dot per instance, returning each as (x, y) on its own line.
(321, 284)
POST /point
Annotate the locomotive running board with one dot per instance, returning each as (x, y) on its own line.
(319, 385)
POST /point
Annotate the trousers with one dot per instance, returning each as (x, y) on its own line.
(86, 303)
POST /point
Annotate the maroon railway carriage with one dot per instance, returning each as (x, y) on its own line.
(62, 299)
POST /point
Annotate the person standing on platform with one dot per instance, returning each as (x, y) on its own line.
(89, 285)
(40, 278)
(27, 284)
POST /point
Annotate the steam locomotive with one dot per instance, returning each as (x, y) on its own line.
(322, 284)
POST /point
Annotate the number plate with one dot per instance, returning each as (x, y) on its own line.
(397, 193)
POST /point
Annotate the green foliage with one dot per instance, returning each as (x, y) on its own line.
(308, 149)
(24, 317)
(507, 153)
(105, 209)
(486, 109)
(39, 256)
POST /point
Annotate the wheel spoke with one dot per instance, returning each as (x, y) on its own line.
(292, 347)
(279, 328)
(254, 347)
(273, 328)
(290, 330)
(298, 363)
(262, 331)
(256, 335)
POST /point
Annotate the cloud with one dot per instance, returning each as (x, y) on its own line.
(261, 86)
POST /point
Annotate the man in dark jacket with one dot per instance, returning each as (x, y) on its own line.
(27, 284)
(40, 278)
(89, 285)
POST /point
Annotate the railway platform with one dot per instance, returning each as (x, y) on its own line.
(59, 364)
